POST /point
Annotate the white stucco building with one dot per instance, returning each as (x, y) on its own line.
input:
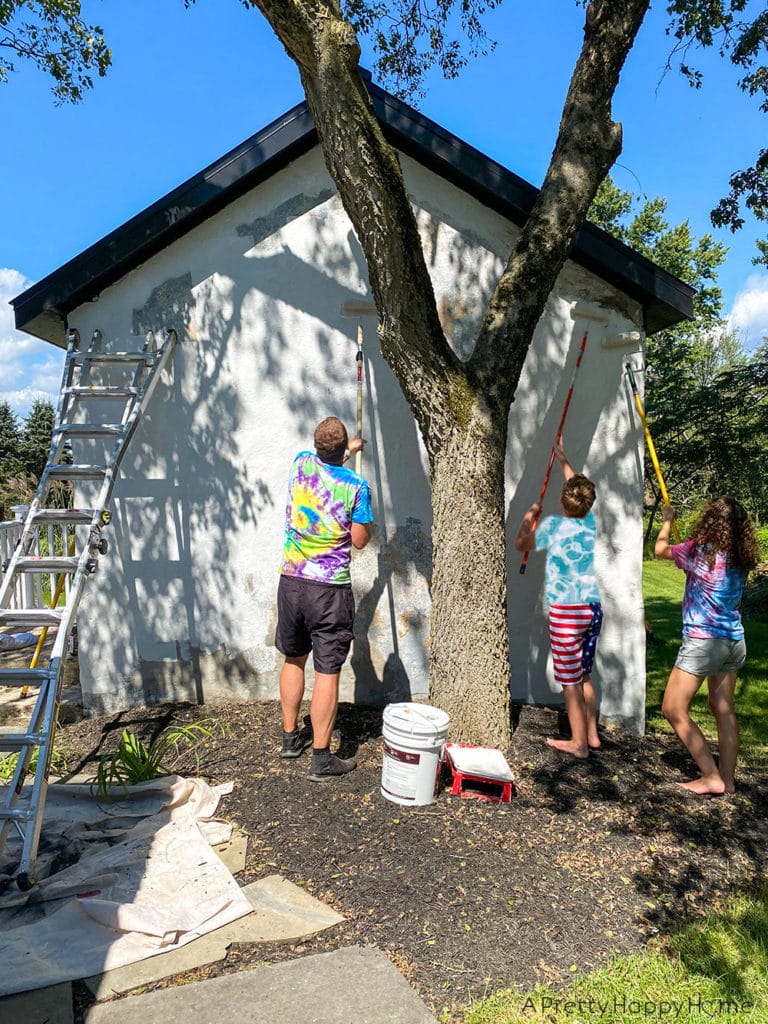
(253, 263)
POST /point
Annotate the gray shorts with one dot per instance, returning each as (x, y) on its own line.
(710, 656)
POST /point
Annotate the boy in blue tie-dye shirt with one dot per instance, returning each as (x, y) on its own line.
(327, 514)
(573, 600)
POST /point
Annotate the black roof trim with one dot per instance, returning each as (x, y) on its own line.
(664, 299)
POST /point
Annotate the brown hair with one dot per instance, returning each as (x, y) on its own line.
(725, 527)
(578, 496)
(331, 439)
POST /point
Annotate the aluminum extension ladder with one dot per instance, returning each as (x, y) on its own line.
(93, 380)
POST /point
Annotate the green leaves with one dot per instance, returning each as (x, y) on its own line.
(134, 762)
(52, 35)
(411, 38)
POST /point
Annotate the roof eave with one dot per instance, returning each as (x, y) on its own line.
(42, 309)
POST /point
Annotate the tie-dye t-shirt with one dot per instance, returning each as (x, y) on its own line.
(569, 577)
(712, 596)
(323, 502)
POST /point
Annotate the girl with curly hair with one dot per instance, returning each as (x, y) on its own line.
(722, 549)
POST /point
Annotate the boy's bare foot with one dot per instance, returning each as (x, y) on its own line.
(569, 747)
(706, 785)
(594, 742)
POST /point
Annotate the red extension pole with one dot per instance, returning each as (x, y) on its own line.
(558, 438)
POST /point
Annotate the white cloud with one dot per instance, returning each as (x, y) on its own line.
(29, 368)
(749, 316)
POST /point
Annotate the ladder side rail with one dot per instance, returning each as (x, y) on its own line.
(40, 784)
(28, 531)
(48, 699)
(14, 789)
(121, 445)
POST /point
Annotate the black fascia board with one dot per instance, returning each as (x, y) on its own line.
(665, 299)
(82, 278)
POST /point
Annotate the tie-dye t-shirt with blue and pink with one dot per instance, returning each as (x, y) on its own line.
(712, 595)
(323, 502)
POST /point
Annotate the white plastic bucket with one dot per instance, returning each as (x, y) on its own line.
(414, 738)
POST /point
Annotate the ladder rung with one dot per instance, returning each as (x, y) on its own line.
(20, 676)
(64, 472)
(32, 617)
(46, 563)
(22, 814)
(105, 358)
(102, 391)
(89, 429)
(18, 740)
(63, 515)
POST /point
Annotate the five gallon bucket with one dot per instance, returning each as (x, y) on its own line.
(414, 737)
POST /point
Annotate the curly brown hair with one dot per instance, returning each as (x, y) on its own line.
(578, 496)
(725, 527)
(330, 439)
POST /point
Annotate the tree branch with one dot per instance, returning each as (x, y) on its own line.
(366, 171)
(587, 145)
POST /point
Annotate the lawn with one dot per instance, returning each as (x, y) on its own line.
(714, 969)
(663, 588)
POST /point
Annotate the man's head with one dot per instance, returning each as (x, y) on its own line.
(578, 496)
(331, 440)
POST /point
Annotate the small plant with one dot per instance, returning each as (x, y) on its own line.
(134, 761)
(59, 764)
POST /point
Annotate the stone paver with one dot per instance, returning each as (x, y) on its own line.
(354, 985)
(43, 1006)
(232, 853)
(283, 912)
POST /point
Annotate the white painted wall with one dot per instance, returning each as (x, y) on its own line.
(184, 604)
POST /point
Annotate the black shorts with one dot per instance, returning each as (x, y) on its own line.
(316, 617)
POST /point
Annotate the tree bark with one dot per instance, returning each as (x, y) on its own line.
(462, 409)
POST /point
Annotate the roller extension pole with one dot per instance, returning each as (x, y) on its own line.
(359, 455)
(558, 438)
(651, 447)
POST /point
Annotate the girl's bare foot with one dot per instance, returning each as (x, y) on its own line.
(706, 785)
(594, 742)
(569, 747)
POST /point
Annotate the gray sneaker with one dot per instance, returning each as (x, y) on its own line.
(331, 768)
(296, 742)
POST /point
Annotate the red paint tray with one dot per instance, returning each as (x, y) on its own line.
(480, 772)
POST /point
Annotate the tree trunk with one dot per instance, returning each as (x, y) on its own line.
(462, 409)
(469, 640)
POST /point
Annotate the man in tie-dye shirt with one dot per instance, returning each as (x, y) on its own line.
(327, 514)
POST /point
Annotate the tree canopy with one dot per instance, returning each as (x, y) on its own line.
(706, 398)
(52, 36)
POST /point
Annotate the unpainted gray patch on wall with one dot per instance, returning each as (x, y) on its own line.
(169, 305)
(283, 214)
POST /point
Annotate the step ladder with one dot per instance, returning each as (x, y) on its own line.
(66, 543)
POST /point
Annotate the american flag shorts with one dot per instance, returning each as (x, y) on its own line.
(573, 633)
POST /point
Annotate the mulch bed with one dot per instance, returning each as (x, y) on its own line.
(467, 896)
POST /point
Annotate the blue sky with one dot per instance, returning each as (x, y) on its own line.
(187, 85)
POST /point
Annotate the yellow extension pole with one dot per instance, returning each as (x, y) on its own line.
(54, 601)
(651, 448)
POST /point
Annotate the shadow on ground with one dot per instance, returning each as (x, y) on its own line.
(464, 895)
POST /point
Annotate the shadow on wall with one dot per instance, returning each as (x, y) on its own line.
(190, 484)
(616, 470)
(185, 484)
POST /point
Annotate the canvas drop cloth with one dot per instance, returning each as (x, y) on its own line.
(119, 881)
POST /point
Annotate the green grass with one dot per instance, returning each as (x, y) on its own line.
(663, 588)
(713, 970)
